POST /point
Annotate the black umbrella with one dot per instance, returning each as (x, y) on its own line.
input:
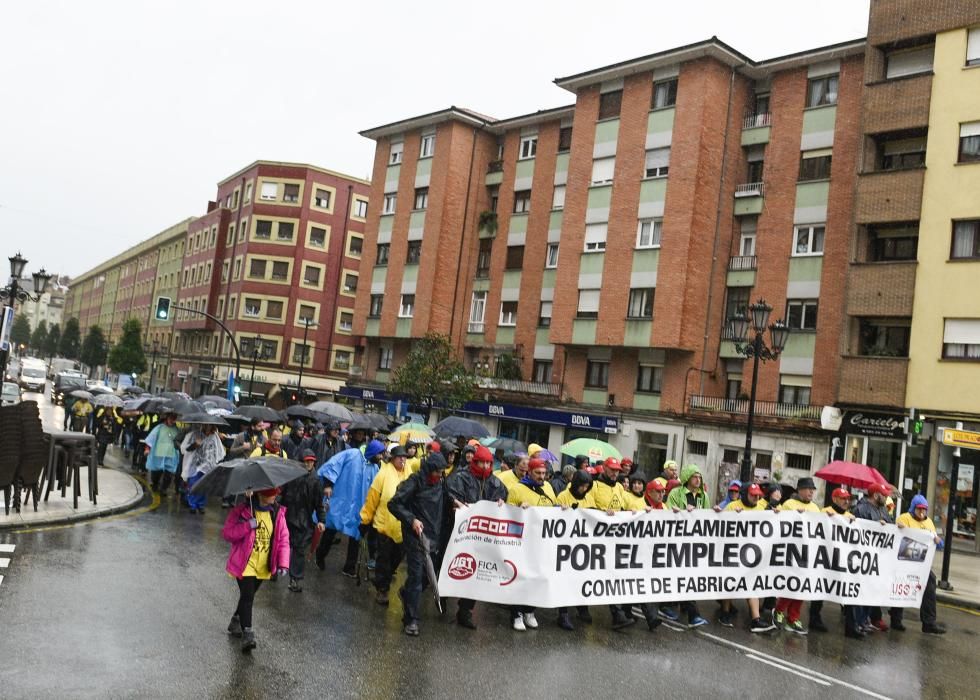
(263, 413)
(237, 420)
(186, 407)
(135, 404)
(454, 426)
(218, 401)
(157, 404)
(301, 412)
(204, 419)
(361, 422)
(380, 422)
(133, 389)
(250, 474)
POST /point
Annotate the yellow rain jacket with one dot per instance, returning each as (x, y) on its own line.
(508, 478)
(760, 505)
(520, 494)
(608, 497)
(375, 510)
(633, 502)
(794, 505)
(567, 498)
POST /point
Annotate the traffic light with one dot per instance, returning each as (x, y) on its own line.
(163, 308)
(913, 426)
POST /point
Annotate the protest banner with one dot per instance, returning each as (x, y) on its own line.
(547, 557)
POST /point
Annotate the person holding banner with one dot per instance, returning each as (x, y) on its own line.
(577, 495)
(690, 495)
(840, 505)
(375, 514)
(918, 517)
(750, 498)
(655, 494)
(607, 492)
(511, 477)
(634, 494)
(787, 611)
(466, 487)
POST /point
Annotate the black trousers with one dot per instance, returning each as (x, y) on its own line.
(247, 586)
(390, 555)
(927, 613)
(299, 542)
(416, 580)
(326, 542)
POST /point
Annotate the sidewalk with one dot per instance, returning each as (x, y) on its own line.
(118, 491)
(964, 575)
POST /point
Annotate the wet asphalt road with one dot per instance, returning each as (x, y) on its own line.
(136, 606)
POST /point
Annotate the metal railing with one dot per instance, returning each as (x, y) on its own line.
(495, 166)
(764, 409)
(753, 120)
(475, 327)
(750, 189)
(519, 386)
(742, 262)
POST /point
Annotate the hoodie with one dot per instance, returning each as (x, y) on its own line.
(678, 497)
(728, 494)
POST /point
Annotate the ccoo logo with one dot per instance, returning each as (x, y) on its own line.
(462, 566)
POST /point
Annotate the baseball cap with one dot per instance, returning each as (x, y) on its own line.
(755, 490)
(840, 493)
(612, 463)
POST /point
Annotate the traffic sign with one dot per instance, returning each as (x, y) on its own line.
(961, 438)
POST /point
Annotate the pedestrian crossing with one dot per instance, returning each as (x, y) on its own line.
(5, 561)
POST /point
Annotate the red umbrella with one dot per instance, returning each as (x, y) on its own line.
(851, 474)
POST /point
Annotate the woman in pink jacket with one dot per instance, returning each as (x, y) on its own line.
(259, 548)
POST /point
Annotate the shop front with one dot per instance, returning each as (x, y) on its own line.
(966, 494)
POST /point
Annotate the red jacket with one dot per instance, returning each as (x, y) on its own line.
(242, 539)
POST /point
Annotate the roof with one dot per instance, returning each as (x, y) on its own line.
(452, 112)
(280, 163)
(178, 230)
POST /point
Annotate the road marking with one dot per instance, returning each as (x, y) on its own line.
(782, 662)
(7, 548)
(787, 669)
(4, 562)
(969, 611)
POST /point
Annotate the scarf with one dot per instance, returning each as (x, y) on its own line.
(480, 472)
(432, 478)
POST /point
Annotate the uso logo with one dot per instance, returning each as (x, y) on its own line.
(462, 566)
(496, 527)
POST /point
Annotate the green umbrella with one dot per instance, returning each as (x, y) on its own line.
(595, 450)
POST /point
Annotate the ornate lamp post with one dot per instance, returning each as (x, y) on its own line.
(259, 350)
(13, 292)
(754, 346)
(154, 349)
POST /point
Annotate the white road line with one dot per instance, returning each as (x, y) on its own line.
(787, 669)
(4, 563)
(1, 580)
(782, 662)
(7, 548)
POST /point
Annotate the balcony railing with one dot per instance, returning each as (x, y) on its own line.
(519, 386)
(495, 166)
(764, 409)
(475, 327)
(741, 262)
(753, 120)
(750, 189)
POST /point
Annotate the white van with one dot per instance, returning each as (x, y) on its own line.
(33, 373)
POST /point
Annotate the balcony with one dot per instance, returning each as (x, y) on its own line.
(519, 386)
(750, 189)
(748, 198)
(763, 409)
(753, 121)
(495, 172)
(873, 381)
(741, 263)
(893, 105)
(741, 271)
(756, 128)
(475, 327)
(889, 195)
(881, 289)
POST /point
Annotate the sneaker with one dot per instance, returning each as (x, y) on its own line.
(817, 625)
(519, 624)
(349, 573)
(796, 627)
(235, 626)
(530, 621)
(758, 626)
(381, 598)
(879, 625)
(370, 564)
(620, 620)
(464, 618)
(933, 629)
(585, 616)
(565, 622)
(412, 629)
(697, 621)
(248, 639)
(653, 623)
(294, 585)
(726, 620)
(667, 614)
(778, 618)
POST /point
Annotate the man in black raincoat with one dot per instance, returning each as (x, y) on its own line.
(302, 498)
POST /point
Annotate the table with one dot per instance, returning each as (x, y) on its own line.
(70, 439)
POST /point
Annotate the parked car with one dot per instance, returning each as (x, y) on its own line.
(32, 377)
(64, 384)
(10, 394)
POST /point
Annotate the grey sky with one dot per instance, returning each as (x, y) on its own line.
(120, 117)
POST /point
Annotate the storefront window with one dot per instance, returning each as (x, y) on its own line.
(964, 499)
(526, 432)
(651, 452)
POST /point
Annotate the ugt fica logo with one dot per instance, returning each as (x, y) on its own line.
(462, 566)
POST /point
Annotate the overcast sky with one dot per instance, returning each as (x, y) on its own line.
(119, 118)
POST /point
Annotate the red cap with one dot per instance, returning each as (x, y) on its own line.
(883, 489)
(755, 490)
(627, 462)
(482, 454)
(612, 463)
(734, 487)
(434, 446)
(266, 493)
(840, 493)
(656, 486)
(536, 463)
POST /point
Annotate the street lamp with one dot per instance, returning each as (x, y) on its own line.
(307, 324)
(13, 292)
(259, 348)
(153, 361)
(756, 348)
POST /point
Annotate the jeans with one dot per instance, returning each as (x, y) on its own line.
(415, 579)
(390, 555)
(247, 586)
(299, 542)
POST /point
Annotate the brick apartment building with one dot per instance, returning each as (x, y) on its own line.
(600, 247)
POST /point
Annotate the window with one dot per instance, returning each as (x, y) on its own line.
(649, 379)
(263, 229)
(736, 302)
(529, 147)
(522, 201)
(664, 94)
(230, 236)
(595, 237)
(285, 231)
(648, 233)
(973, 47)
(273, 309)
(796, 461)
(908, 61)
(355, 245)
(602, 170)
(395, 154)
(248, 192)
(360, 208)
(815, 165)
(311, 276)
(733, 388)
(641, 303)
(902, 153)
(541, 372)
(306, 314)
(341, 360)
(290, 193)
(242, 230)
(407, 308)
(346, 322)
(383, 250)
(588, 303)
(657, 162)
(280, 270)
(269, 191)
(483, 257)
(884, 337)
(564, 139)
(389, 203)
(551, 256)
(256, 268)
(350, 283)
(428, 146)
(966, 240)
(238, 269)
(384, 358)
(493, 193)
(792, 394)
(970, 142)
(610, 103)
(893, 243)
(251, 307)
(376, 301)
(802, 314)
(558, 198)
(301, 353)
(508, 313)
(961, 339)
(544, 315)
(697, 447)
(821, 91)
(478, 310)
(809, 240)
(421, 197)
(321, 198)
(414, 253)
(515, 257)
(746, 242)
(597, 374)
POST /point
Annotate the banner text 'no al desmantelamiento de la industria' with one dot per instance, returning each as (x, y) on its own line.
(548, 557)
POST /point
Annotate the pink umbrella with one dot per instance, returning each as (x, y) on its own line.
(851, 474)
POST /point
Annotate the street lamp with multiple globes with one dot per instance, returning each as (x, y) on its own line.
(740, 326)
(13, 293)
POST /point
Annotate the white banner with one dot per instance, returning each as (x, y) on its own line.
(547, 557)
